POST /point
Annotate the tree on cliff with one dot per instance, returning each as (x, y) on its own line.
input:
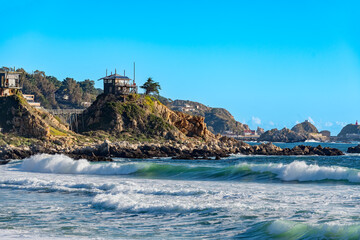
(151, 87)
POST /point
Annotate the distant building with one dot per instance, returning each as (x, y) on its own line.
(31, 100)
(118, 85)
(249, 132)
(9, 83)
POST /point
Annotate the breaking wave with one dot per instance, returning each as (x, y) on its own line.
(294, 171)
(62, 164)
(296, 230)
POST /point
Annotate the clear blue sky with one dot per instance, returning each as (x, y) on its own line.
(270, 63)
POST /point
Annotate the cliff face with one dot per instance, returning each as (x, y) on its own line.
(218, 120)
(19, 118)
(141, 116)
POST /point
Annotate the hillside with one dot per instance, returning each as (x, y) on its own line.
(140, 117)
(218, 120)
(349, 132)
(52, 93)
(304, 128)
(20, 119)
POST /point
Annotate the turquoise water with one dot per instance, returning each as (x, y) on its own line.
(242, 197)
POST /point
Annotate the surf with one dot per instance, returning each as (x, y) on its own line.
(299, 171)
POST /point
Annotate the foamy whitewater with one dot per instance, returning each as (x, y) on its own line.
(249, 197)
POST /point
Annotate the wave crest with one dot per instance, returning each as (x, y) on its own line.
(294, 171)
(46, 163)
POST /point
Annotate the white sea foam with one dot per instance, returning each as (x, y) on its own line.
(300, 171)
(312, 141)
(46, 163)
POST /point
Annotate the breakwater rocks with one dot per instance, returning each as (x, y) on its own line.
(188, 150)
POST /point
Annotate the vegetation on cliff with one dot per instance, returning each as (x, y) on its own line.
(19, 118)
(52, 93)
(140, 116)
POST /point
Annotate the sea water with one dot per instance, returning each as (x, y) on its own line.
(242, 197)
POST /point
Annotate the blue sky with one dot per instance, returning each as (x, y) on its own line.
(270, 63)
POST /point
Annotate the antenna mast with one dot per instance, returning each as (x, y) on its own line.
(134, 74)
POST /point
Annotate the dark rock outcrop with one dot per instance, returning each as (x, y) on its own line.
(283, 135)
(221, 149)
(355, 149)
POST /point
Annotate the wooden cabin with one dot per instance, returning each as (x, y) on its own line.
(118, 85)
(9, 83)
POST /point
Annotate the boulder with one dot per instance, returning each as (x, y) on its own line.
(355, 149)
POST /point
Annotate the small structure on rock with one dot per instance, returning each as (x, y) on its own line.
(31, 100)
(9, 83)
(119, 84)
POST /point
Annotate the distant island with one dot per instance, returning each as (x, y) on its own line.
(122, 123)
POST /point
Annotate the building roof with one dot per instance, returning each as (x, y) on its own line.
(115, 76)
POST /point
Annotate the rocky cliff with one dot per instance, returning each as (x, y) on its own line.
(218, 120)
(19, 118)
(141, 117)
(350, 132)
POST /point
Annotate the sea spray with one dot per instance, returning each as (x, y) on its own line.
(301, 171)
(62, 164)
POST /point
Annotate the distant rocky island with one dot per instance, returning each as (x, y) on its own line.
(350, 132)
(299, 133)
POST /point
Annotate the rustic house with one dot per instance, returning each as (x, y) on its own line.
(9, 83)
(118, 84)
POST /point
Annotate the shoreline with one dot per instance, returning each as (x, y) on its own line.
(107, 150)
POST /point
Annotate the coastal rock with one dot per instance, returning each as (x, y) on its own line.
(283, 135)
(299, 133)
(355, 149)
(141, 116)
(19, 118)
(304, 128)
(350, 132)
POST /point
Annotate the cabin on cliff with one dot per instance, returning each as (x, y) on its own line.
(118, 85)
(9, 83)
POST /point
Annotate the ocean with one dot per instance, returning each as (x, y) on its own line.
(241, 197)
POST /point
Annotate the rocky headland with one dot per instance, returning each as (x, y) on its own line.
(350, 132)
(135, 127)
